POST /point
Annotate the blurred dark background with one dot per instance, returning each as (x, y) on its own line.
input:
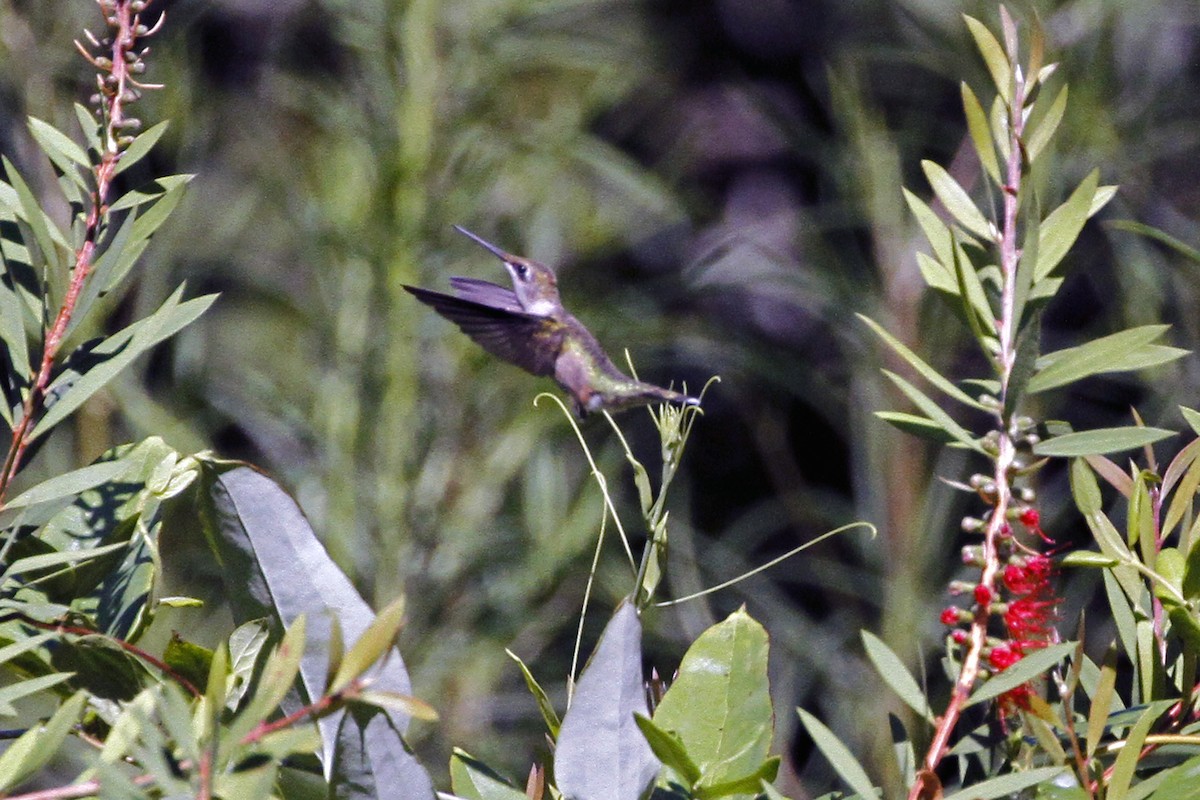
(719, 185)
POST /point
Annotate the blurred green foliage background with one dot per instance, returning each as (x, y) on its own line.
(719, 184)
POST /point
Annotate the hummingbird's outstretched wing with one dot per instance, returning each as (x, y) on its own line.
(531, 342)
(486, 292)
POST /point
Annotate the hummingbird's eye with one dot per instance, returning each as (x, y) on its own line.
(522, 271)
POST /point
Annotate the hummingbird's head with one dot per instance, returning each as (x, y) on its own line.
(535, 284)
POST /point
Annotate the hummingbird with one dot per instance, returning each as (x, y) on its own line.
(528, 326)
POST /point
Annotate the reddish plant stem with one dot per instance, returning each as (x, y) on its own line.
(321, 705)
(1004, 457)
(115, 92)
(132, 649)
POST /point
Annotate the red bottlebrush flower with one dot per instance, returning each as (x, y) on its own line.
(950, 616)
(958, 636)
(1028, 575)
(983, 595)
(1030, 518)
(1002, 657)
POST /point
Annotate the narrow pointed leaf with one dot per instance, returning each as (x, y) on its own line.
(141, 146)
(1127, 758)
(933, 411)
(69, 483)
(472, 780)
(145, 194)
(895, 674)
(58, 559)
(956, 200)
(1009, 785)
(1023, 671)
(46, 234)
(1192, 418)
(15, 691)
(121, 349)
(1046, 127)
(669, 749)
(37, 746)
(981, 133)
(601, 753)
(993, 57)
(1061, 228)
(1101, 701)
(549, 715)
(929, 373)
(915, 425)
(1101, 440)
(371, 646)
(936, 232)
(89, 127)
(1110, 353)
(838, 756)
(1181, 782)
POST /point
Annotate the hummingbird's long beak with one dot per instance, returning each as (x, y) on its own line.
(485, 244)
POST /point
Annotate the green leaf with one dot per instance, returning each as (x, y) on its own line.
(938, 236)
(1101, 440)
(190, 660)
(1088, 558)
(246, 645)
(549, 715)
(1179, 246)
(976, 310)
(1112, 353)
(981, 133)
(669, 749)
(720, 704)
(1046, 126)
(151, 191)
(929, 373)
(1181, 782)
(60, 558)
(745, 786)
(1102, 701)
(371, 646)
(405, 704)
(1103, 195)
(69, 483)
(1061, 228)
(120, 349)
(46, 234)
(89, 126)
(993, 56)
(1023, 671)
(1127, 758)
(140, 147)
(1169, 565)
(912, 424)
(957, 201)
(1007, 785)
(470, 779)
(838, 756)
(34, 748)
(1084, 488)
(934, 412)
(1192, 418)
(15, 691)
(1185, 625)
(895, 674)
(68, 159)
(277, 678)
(600, 750)
(1191, 574)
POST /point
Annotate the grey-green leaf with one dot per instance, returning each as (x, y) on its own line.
(956, 200)
(838, 755)
(1061, 228)
(1101, 440)
(1116, 352)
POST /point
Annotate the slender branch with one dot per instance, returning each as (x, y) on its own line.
(1005, 454)
(116, 91)
(132, 649)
